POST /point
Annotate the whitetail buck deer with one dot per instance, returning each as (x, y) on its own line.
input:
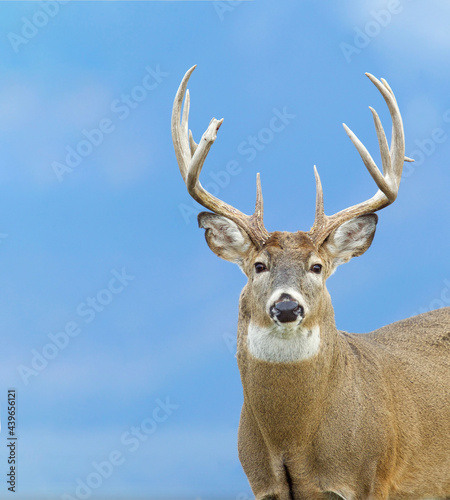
(327, 414)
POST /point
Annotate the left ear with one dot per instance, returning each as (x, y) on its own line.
(351, 239)
(225, 238)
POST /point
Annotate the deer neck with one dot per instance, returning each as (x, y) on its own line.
(279, 389)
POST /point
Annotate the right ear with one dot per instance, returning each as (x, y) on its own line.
(350, 239)
(225, 238)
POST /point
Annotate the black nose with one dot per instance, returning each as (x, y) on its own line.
(286, 311)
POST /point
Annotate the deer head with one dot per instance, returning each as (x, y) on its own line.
(287, 271)
(326, 413)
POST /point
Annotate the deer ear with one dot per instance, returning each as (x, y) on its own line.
(224, 237)
(351, 239)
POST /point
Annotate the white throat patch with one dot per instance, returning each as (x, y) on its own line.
(283, 344)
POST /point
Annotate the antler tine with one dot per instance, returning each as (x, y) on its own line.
(185, 118)
(320, 213)
(397, 151)
(382, 141)
(371, 166)
(195, 189)
(192, 143)
(385, 83)
(388, 183)
(259, 205)
(179, 132)
(191, 157)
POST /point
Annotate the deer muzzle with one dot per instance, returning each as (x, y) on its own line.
(286, 310)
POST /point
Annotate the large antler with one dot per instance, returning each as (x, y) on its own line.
(388, 182)
(191, 157)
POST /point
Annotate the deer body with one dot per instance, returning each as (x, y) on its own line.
(350, 420)
(327, 414)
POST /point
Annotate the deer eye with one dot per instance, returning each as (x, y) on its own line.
(260, 267)
(316, 268)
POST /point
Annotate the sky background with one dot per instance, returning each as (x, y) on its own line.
(155, 356)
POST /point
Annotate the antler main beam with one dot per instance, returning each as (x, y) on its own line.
(191, 157)
(388, 182)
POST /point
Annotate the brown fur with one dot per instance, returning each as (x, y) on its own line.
(328, 414)
(367, 417)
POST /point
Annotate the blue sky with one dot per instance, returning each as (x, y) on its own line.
(104, 259)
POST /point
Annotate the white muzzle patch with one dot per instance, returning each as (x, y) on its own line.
(283, 343)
